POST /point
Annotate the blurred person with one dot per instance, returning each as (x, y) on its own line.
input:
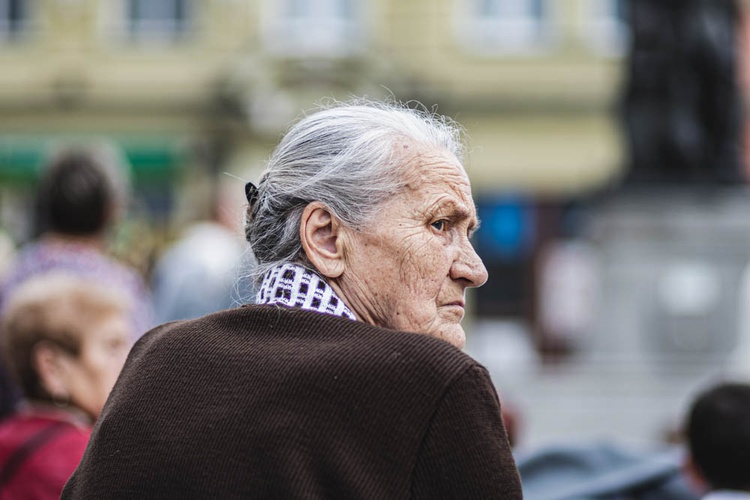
(346, 379)
(79, 198)
(196, 275)
(513, 421)
(718, 436)
(65, 340)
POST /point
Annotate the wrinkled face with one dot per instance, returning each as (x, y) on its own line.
(410, 268)
(91, 375)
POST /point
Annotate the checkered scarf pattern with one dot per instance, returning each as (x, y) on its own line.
(295, 286)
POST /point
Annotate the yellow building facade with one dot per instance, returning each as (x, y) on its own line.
(533, 81)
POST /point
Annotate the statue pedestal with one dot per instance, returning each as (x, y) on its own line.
(671, 268)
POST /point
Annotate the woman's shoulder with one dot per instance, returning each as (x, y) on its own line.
(318, 338)
(355, 344)
(271, 321)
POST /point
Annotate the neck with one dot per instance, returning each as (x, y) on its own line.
(359, 312)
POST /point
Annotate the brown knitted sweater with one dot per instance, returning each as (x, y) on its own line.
(272, 402)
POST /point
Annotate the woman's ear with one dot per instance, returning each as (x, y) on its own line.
(320, 233)
(50, 366)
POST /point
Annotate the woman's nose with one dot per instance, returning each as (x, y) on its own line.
(469, 267)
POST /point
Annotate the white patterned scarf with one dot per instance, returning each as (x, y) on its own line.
(295, 286)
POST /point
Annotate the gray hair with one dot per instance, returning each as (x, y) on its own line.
(344, 157)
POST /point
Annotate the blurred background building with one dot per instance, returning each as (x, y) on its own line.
(616, 240)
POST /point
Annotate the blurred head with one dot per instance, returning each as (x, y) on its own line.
(374, 198)
(718, 434)
(80, 192)
(66, 340)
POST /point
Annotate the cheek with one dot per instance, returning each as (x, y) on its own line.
(425, 269)
(102, 367)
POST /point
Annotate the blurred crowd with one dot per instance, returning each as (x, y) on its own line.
(71, 311)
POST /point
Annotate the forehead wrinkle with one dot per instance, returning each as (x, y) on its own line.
(427, 159)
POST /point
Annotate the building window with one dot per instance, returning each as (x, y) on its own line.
(606, 27)
(512, 26)
(330, 28)
(13, 18)
(157, 20)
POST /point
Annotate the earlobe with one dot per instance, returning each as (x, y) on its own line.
(320, 234)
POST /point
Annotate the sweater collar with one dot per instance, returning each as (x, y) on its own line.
(295, 286)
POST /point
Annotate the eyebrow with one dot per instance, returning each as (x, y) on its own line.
(459, 213)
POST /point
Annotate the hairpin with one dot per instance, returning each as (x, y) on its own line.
(251, 193)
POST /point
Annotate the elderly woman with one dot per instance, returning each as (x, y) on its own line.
(66, 340)
(346, 380)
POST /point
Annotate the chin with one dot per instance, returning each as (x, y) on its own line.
(454, 335)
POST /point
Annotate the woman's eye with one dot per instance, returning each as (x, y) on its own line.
(440, 225)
